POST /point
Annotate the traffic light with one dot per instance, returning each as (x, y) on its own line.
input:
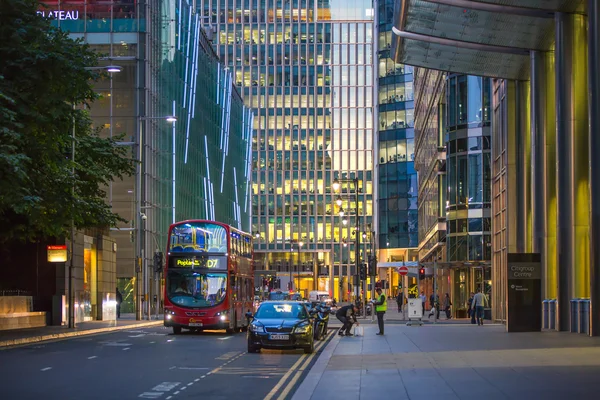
(421, 273)
(158, 262)
(373, 267)
(362, 275)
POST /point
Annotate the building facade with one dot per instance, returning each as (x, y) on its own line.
(198, 167)
(306, 69)
(397, 183)
(546, 108)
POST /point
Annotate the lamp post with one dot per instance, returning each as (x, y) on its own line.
(336, 187)
(142, 265)
(71, 301)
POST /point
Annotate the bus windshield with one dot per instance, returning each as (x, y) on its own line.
(196, 289)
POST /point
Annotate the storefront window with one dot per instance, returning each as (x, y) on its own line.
(475, 112)
(452, 103)
(462, 99)
(475, 178)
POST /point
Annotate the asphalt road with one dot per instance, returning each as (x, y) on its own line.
(151, 363)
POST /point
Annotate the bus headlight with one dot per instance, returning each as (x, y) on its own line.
(222, 315)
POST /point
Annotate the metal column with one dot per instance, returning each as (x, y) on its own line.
(521, 166)
(594, 150)
(564, 161)
(538, 150)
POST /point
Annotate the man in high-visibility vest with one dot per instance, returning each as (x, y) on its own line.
(380, 308)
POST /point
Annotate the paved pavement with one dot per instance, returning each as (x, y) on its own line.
(151, 363)
(455, 361)
(33, 335)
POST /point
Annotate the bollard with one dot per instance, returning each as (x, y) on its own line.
(545, 314)
(574, 315)
(584, 316)
(552, 313)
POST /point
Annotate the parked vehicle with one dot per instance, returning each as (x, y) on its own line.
(317, 296)
(320, 313)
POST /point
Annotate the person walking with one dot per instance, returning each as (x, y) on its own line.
(480, 301)
(347, 316)
(423, 301)
(380, 308)
(470, 311)
(400, 300)
(119, 301)
(447, 304)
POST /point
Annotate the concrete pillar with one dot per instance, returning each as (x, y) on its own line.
(594, 150)
(538, 183)
(564, 60)
(572, 162)
(523, 166)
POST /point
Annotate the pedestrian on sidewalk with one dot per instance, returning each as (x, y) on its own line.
(423, 301)
(119, 301)
(470, 310)
(447, 305)
(380, 308)
(480, 301)
(400, 300)
(347, 316)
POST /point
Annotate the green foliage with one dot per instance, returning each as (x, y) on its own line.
(42, 75)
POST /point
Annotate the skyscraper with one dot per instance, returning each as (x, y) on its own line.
(306, 69)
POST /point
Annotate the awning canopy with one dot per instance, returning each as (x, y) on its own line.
(483, 37)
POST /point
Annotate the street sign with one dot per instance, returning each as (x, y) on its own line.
(57, 253)
(403, 270)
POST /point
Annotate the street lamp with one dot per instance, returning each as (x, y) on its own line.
(71, 300)
(142, 217)
(336, 186)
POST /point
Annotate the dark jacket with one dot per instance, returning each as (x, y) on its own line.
(346, 311)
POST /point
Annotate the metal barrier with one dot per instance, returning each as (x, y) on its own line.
(545, 314)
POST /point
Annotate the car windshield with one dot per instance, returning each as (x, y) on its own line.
(188, 288)
(281, 311)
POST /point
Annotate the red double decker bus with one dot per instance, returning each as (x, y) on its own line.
(209, 277)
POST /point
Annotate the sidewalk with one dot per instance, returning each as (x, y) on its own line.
(455, 362)
(15, 337)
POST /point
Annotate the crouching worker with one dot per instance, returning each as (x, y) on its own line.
(347, 315)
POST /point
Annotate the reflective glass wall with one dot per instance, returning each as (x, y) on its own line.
(468, 197)
(305, 68)
(397, 178)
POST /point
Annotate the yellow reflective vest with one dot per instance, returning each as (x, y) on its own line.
(383, 306)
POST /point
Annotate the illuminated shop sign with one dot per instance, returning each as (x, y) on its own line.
(60, 15)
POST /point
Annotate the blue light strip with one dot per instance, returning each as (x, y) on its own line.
(174, 163)
(218, 80)
(195, 72)
(228, 120)
(237, 200)
(206, 200)
(207, 163)
(212, 202)
(193, 83)
(187, 59)
(223, 110)
(179, 31)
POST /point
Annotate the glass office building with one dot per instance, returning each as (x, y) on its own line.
(306, 69)
(199, 166)
(397, 182)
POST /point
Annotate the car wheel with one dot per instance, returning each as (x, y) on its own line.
(252, 348)
(310, 349)
(176, 330)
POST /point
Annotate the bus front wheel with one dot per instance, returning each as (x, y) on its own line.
(176, 330)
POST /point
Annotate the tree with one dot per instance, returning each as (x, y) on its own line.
(44, 75)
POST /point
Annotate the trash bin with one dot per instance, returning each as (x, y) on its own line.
(552, 313)
(574, 315)
(584, 316)
(545, 314)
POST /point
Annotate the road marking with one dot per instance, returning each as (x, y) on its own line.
(140, 335)
(152, 342)
(192, 368)
(126, 348)
(225, 338)
(190, 384)
(169, 397)
(116, 344)
(290, 385)
(150, 395)
(177, 392)
(166, 386)
(173, 367)
(197, 380)
(46, 369)
(304, 360)
(92, 357)
(257, 376)
(229, 355)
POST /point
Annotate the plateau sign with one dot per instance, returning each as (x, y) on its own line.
(57, 253)
(403, 270)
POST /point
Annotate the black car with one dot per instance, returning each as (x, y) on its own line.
(281, 325)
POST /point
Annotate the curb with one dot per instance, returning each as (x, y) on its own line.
(66, 335)
(310, 382)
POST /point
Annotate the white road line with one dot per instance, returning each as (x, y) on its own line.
(192, 368)
(169, 397)
(46, 369)
(126, 348)
(92, 357)
(190, 384)
(225, 338)
(150, 395)
(177, 392)
(197, 379)
(166, 386)
(152, 342)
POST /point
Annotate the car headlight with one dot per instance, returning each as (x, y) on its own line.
(302, 329)
(258, 328)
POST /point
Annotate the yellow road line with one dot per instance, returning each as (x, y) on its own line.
(284, 378)
(300, 370)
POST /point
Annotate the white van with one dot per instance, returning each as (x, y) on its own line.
(317, 296)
